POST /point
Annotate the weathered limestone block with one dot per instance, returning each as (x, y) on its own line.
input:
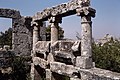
(42, 46)
(63, 46)
(98, 74)
(62, 51)
(64, 54)
(75, 78)
(84, 62)
(86, 75)
(76, 48)
(41, 62)
(65, 57)
(50, 58)
(48, 74)
(62, 68)
(9, 13)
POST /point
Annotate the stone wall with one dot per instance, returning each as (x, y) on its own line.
(22, 31)
(22, 36)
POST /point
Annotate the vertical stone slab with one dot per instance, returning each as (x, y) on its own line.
(22, 37)
(48, 74)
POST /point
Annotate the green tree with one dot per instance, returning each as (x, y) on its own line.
(21, 69)
(107, 56)
(6, 38)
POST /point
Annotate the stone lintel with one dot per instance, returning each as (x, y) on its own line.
(9, 13)
(41, 62)
(63, 69)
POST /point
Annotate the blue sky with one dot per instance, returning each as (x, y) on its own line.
(107, 18)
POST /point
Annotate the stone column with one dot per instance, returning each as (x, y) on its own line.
(35, 34)
(32, 71)
(85, 60)
(35, 39)
(54, 28)
(86, 34)
(54, 32)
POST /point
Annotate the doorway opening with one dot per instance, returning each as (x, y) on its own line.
(72, 27)
(5, 32)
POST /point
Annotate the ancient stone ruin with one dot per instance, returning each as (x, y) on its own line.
(57, 59)
(22, 31)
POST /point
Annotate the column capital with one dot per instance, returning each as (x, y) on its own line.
(86, 11)
(85, 20)
(33, 23)
(55, 19)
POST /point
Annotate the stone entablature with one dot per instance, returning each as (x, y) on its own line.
(62, 10)
(9, 13)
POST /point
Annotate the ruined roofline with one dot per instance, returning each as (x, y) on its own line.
(9, 13)
(62, 10)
